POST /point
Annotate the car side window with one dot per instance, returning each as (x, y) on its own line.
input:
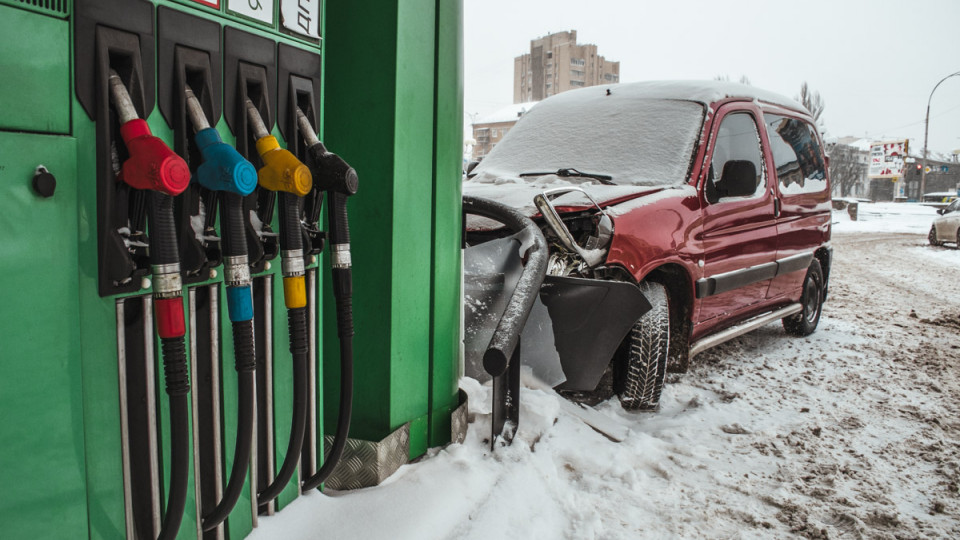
(954, 206)
(796, 155)
(736, 169)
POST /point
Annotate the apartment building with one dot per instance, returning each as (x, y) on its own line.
(556, 63)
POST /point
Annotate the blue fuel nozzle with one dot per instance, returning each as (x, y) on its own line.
(223, 168)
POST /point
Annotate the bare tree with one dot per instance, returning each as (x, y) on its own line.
(813, 102)
(847, 168)
(726, 78)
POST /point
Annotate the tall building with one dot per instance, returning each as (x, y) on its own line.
(556, 64)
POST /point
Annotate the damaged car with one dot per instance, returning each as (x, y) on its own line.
(678, 215)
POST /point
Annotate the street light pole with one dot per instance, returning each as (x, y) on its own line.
(926, 133)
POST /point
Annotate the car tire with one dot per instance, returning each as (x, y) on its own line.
(958, 238)
(932, 236)
(643, 363)
(805, 322)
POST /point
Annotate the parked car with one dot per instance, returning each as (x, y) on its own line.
(946, 228)
(711, 198)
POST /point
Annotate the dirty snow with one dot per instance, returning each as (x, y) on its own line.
(853, 432)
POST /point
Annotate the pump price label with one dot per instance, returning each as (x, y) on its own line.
(261, 10)
(301, 16)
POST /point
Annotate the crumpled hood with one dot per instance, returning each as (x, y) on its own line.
(519, 193)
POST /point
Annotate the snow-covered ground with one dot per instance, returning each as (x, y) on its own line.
(853, 432)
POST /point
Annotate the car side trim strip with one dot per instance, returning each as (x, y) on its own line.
(742, 328)
(728, 281)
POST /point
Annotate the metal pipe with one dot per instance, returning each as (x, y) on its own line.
(926, 133)
(256, 122)
(197, 117)
(121, 99)
(309, 135)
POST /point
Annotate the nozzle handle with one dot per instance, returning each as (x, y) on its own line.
(152, 164)
(223, 168)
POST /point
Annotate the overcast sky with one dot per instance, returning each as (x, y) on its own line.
(873, 61)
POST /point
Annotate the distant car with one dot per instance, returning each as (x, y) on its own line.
(711, 198)
(946, 228)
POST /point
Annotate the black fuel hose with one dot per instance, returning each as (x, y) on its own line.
(235, 245)
(164, 251)
(291, 246)
(343, 294)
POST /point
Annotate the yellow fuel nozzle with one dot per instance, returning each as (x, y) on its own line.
(281, 170)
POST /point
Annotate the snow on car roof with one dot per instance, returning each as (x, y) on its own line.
(705, 92)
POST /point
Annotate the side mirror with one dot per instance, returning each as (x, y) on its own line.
(471, 166)
(941, 211)
(738, 179)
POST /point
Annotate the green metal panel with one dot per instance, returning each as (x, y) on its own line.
(381, 88)
(54, 8)
(42, 463)
(448, 162)
(37, 98)
(98, 355)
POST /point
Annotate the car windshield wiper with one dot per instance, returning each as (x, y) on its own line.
(569, 171)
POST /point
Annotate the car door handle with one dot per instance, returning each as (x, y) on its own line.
(776, 207)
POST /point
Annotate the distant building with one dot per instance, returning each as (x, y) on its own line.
(488, 130)
(556, 64)
(849, 164)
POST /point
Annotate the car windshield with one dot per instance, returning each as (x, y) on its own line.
(634, 141)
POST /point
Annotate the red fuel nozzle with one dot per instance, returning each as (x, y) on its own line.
(152, 164)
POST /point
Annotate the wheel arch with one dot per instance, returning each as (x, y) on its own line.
(679, 286)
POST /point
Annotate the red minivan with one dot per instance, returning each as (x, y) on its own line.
(710, 198)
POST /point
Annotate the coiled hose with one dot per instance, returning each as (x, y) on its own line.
(291, 241)
(164, 251)
(343, 294)
(235, 245)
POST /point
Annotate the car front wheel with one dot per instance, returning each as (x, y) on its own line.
(805, 322)
(932, 236)
(643, 360)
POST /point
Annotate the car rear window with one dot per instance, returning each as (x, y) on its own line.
(796, 155)
(636, 141)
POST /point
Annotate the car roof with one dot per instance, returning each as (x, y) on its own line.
(704, 92)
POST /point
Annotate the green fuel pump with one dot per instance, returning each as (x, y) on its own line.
(226, 172)
(284, 173)
(154, 167)
(332, 174)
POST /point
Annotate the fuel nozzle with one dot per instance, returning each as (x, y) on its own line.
(330, 172)
(334, 175)
(223, 168)
(284, 173)
(281, 170)
(152, 164)
(154, 167)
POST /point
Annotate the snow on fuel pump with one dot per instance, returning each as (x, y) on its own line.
(332, 174)
(226, 172)
(155, 168)
(284, 173)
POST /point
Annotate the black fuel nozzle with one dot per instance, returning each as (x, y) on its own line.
(330, 171)
(335, 176)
